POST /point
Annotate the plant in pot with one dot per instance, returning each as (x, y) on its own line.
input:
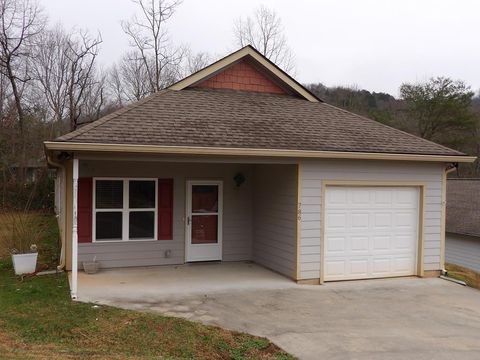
(21, 232)
(25, 261)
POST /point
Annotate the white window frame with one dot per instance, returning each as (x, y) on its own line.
(125, 210)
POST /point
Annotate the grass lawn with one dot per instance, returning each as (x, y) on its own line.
(38, 320)
(471, 277)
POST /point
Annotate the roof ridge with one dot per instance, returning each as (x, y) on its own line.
(104, 119)
(391, 127)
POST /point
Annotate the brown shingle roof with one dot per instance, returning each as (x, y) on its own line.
(463, 206)
(236, 119)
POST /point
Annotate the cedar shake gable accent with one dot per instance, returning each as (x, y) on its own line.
(243, 76)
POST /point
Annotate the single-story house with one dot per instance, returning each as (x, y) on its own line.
(240, 162)
(463, 223)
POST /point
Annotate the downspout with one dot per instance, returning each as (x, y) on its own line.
(448, 169)
(55, 164)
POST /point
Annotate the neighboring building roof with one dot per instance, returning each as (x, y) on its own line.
(266, 113)
(463, 206)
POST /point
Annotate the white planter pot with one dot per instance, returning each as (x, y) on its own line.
(24, 263)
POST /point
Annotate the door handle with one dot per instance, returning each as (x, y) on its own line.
(188, 220)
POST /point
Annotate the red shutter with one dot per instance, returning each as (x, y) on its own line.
(165, 209)
(84, 210)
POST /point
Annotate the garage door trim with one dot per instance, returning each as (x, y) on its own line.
(362, 183)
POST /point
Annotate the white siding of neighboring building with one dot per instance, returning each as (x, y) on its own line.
(237, 216)
(463, 250)
(313, 172)
(274, 230)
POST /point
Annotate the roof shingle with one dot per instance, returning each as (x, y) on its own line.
(238, 119)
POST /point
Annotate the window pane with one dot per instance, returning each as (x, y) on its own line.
(204, 198)
(141, 194)
(108, 225)
(142, 224)
(109, 194)
(204, 229)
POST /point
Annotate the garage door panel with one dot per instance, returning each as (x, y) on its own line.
(404, 242)
(359, 267)
(381, 266)
(406, 220)
(403, 266)
(406, 197)
(335, 268)
(359, 197)
(381, 242)
(359, 220)
(359, 244)
(383, 198)
(335, 245)
(382, 220)
(336, 221)
(336, 197)
(370, 232)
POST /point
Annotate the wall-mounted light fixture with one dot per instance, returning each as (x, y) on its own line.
(239, 179)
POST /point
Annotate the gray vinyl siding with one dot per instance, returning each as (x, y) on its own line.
(237, 215)
(274, 230)
(463, 250)
(315, 171)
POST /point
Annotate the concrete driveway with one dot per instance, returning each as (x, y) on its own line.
(374, 319)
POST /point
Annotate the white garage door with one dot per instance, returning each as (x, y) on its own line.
(370, 232)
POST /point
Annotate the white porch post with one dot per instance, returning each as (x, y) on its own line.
(74, 284)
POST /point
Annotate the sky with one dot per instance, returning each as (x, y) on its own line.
(371, 44)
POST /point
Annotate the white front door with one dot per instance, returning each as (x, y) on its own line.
(204, 220)
(370, 232)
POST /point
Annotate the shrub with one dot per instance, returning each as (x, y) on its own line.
(21, 231)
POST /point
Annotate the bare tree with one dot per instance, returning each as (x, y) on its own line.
(51, 70)
(20, 22)
(94, 99)
(82, 52)
(5, 96)
(265, 32)
(129, 79)
(149, 36)
(196, 61)
(65, 68)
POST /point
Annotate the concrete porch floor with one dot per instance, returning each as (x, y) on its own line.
(156, 283)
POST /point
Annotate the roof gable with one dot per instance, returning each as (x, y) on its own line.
(245, 76)
(261, 64)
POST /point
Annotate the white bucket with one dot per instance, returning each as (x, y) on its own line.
(91, 267)
(24, 263)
